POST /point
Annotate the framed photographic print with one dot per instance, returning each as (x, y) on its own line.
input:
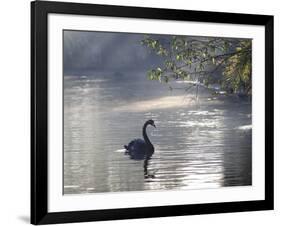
(145, 112)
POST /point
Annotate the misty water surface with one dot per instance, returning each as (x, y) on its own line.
(204, 143)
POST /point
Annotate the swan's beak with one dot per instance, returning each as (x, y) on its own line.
(154, 125)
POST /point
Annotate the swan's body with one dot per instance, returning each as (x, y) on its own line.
(141, 148)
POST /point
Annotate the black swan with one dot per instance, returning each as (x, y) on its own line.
(141, 149)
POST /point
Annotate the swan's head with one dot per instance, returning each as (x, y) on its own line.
(151, 122)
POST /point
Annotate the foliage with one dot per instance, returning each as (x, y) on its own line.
(205, 60)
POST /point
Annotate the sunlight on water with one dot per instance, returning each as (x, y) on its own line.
(245, 127)
(197, 146)
(120, 150)
(155, 104)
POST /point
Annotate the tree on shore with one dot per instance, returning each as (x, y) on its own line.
(226, 62)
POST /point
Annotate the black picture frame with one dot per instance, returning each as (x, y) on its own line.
(39, 112)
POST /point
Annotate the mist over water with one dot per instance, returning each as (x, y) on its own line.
(199, 144)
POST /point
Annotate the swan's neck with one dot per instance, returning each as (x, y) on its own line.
(145, 137)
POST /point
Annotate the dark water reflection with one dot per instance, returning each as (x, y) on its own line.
(197, 145)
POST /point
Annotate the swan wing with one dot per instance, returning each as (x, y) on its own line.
(136, 144)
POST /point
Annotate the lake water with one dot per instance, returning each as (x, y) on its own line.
(204, 143)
